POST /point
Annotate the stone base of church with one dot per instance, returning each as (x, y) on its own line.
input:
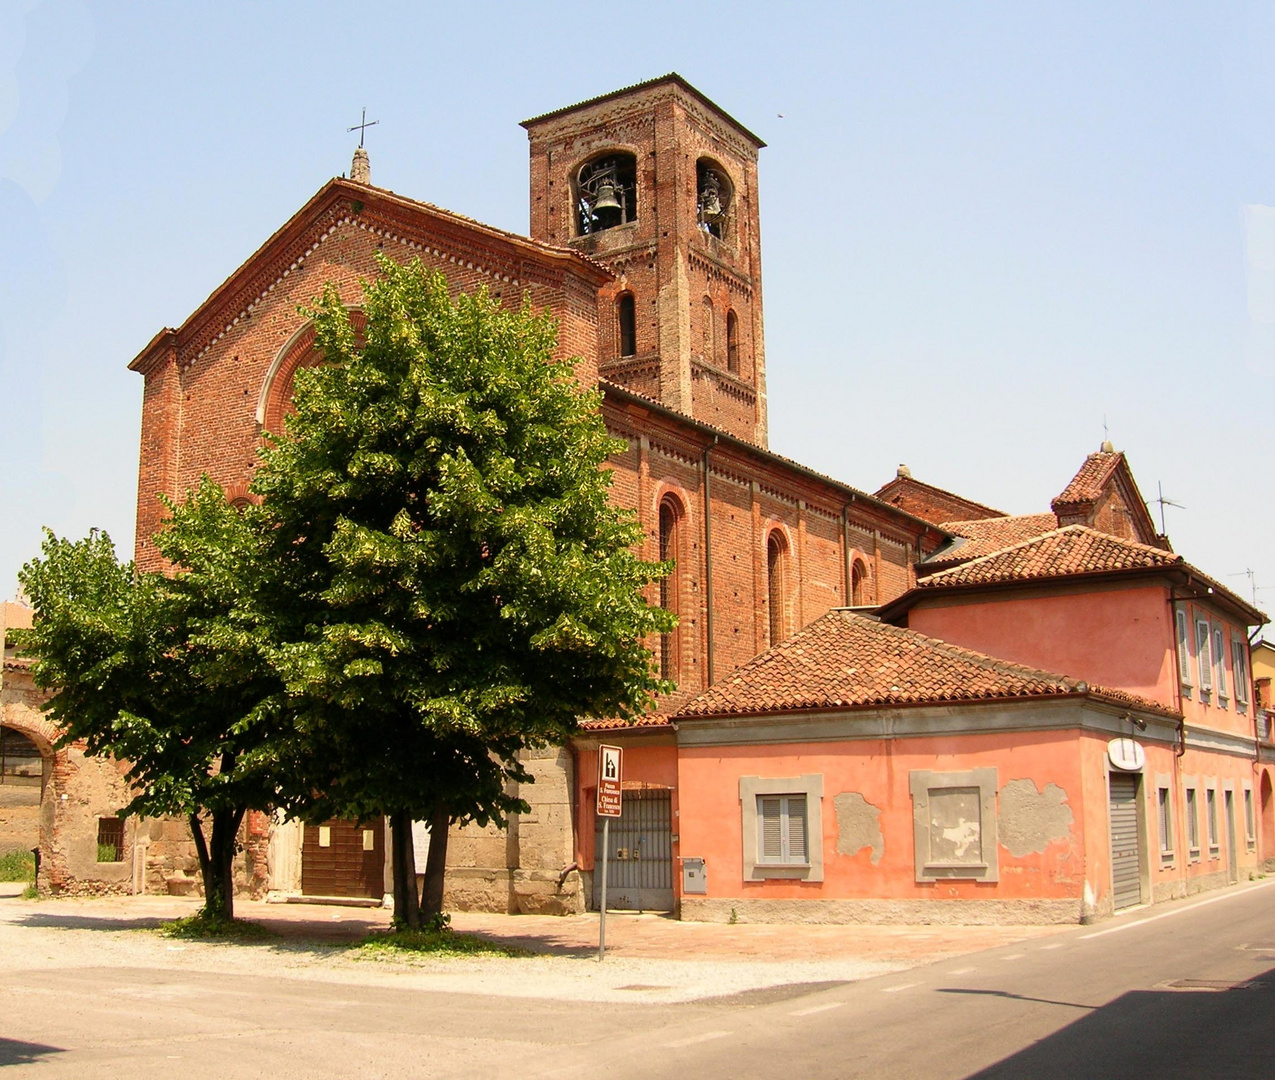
(902, 912)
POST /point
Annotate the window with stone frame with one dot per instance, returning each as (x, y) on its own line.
(954, 825)
(782, 827)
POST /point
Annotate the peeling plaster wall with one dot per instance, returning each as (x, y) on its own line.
(858, 826)
(1030, 820)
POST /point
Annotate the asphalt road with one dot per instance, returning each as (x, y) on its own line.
(1184, 990)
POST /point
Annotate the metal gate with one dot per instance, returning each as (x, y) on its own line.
(1126, 872)
(640, 862)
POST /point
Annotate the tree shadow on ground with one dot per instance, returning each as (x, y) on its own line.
(16, 1052)
(1183, 1032)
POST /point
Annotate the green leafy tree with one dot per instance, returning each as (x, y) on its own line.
(158, 672)
(456, 582)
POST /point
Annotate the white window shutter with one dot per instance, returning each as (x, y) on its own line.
(769, 810)
(1239, 662)
(1184, 649)
(796, 829)
(1219, 660)
(1202, 655)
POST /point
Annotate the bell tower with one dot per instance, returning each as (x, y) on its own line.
(660, 185)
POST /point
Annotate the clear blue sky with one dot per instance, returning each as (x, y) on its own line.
(985, 227)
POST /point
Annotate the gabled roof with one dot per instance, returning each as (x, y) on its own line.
(1070, 553)
(1089, 482)
(974, 539)
(286, 249)
(1103, 473)
(846, 661)
(1075, 549)
(930, 503)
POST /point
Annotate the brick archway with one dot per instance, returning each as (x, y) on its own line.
(299, 351)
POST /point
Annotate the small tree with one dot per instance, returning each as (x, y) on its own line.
(457, 582)
(158, 672)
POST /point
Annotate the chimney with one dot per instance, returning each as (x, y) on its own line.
(361, 168)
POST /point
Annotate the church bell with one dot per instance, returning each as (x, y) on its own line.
(606, 199)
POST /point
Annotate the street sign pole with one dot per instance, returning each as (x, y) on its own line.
(602, 914)
(610, 804)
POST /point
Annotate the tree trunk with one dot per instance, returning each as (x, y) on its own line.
(436, 864)
(407, 908)
(217, 861)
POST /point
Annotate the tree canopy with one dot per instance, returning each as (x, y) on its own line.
(457, 582)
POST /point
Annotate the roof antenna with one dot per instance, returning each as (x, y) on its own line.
(361, 167)
(1163, 502)
(1251, 574)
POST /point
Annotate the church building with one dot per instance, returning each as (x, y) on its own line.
(865, 701)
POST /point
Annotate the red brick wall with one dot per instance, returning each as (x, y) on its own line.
(204, 383)
(669, 264)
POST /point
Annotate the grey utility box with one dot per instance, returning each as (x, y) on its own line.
(694, 877)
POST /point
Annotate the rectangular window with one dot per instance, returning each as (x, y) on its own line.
(1192, 824)
(1202, 654)
(1166, 826)
(781, 830)
(110, 839)
(1184, 649)
(954, 824)
(1239, 667)
(1210, 800)
(1250, 829)
(1219, 664)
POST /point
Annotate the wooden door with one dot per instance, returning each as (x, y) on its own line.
(340, 858)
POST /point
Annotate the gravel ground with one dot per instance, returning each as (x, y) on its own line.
(120, 933)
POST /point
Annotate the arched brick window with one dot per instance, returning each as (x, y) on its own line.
(707, 331)
(275, 400)
(606, 192)
(776, 585)
(626, 319)
(858, 583)
(671, 517)
(732, 343)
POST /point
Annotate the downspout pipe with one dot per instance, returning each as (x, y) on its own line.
(708, 562)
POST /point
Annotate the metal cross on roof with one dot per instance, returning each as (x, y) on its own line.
(362, 127)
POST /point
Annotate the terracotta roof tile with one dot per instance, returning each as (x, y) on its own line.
(650, 720)
(1076, 549)
(1087, 484)
(985, 535)
(845, 660)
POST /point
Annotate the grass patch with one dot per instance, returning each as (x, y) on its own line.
(437, 939)
(17, 866)
(201, 927)
(31, 892)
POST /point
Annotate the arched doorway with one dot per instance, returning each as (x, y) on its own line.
(25, 767)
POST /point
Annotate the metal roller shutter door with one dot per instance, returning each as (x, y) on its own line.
(1125, 873)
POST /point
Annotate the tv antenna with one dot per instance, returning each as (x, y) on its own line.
(1163, 502)
(1251, 574)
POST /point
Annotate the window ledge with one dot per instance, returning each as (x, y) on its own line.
(798, 871)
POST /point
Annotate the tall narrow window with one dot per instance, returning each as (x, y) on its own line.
(858, 583)
(1239, 668)
(1219, 662)
(626, 314)
(1202, 654)
(1192, 824)
(707, 330)
(1210, 819)
(776, 558)
(1184, 649)
(1166, 823)
(732, 343)
(669, 517)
